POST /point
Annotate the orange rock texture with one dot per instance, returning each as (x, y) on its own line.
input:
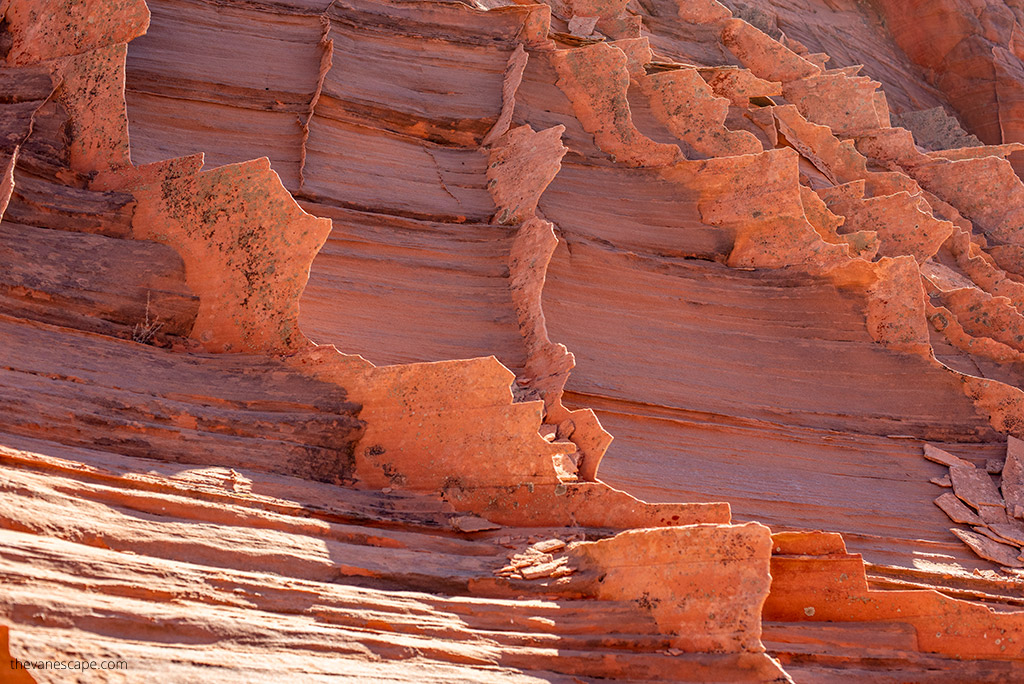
(586, 340)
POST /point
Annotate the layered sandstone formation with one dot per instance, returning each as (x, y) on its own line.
(318, 320)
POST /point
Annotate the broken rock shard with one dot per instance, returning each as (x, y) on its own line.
(479, 341)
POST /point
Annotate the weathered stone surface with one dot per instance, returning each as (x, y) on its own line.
(990, 549)
(520, 166)
(247, 247)
(974, 486)
(534, 235)
(975, 61)
(595, 79)
(1013, 478)
(903, 224)
(94, 282)
(935, 129)
(834, 588)
(92, 90)
(687, 106)
(41, 31)
(665, 568)
(1012, 531)
(933, 453)
(957, 511)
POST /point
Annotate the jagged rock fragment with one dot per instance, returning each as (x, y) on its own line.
(520, 166)
(933, 453)
(974, 486)
(956, 510)
(548, 545)
(1012, 531)
(989, 548)
(472, 523)
(595, 78)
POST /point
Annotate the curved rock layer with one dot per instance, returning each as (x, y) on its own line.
(660, 222)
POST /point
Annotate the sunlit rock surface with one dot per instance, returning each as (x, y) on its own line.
(484, 341)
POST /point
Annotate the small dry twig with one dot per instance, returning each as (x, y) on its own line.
(144, 332)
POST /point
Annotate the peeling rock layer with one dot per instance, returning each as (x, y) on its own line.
(674, 224)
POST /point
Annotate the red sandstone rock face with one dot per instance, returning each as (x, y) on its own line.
(658, 222)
